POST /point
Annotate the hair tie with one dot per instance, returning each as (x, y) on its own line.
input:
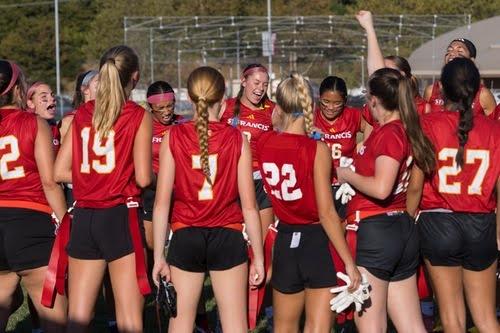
(111, 60)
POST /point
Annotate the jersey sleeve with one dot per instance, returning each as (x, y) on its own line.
(367, 115)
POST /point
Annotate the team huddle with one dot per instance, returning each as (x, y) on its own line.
(253, 192)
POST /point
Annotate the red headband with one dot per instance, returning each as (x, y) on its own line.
(158, 98)
(13, 78)
(254, 70)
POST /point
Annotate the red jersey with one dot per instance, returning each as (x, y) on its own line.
(19, 177)
(387, 140)
(437, 102)
(470, 188)
(340, 135)
(420, 106)
(252, 122)
(103, 170)
(56, 136)
(287, 166)
(197, 202)
(496, 115)
(159, 131)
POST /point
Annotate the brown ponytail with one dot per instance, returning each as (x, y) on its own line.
(205, 88)
(460, 80)
(395, 93)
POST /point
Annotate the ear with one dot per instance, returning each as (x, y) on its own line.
(243, 82)
(30, 104)
(136, 76)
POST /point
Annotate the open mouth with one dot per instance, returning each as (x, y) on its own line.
(51, 108)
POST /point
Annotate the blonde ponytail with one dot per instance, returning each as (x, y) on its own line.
(117, 67)
(201, 124)
(294, 96)
(205, 88)
(110, 99)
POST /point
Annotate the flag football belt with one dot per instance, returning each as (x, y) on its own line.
(27, 205)
(55, 278)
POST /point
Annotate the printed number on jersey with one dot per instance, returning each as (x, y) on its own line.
(472, 156)
(107, 151)
(286, 175)
(336, 151)
(10, 144)
(206, 192)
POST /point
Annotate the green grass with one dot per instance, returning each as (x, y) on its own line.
(20, 321)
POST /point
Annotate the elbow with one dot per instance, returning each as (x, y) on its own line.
(382, 192)
(49, 185)
(143, 181)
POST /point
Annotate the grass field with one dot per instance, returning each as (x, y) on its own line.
(20, 321)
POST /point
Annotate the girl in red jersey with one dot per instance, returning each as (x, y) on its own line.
(209, 163)
(28, 195)
(484, 102)
(108, 160)
(458, 230)
(339, 125)
(85, 90)
(297, 174)
(251, 112)
(387, 242)
(41, 100)
(161, 100)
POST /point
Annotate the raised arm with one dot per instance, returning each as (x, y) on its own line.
(375, 59)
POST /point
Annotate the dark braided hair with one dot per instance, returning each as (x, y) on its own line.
(460, 80)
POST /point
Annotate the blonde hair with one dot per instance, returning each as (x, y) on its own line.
(294, 96)
(117, 66)
(205, 88)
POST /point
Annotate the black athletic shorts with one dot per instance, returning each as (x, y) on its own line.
(263, 200)
(148, 201)
(302, 261)
(458, 239)
(101, 233)
(68, 194)
(388, 246)
(339, 207)
(26, 239)
(199, 249)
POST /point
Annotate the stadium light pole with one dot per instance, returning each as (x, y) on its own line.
(58, 66)
(269, 31)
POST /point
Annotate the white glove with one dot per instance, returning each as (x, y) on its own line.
(345, 193)
(344, 299)
(346, 162)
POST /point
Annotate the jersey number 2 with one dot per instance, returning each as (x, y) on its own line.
(12, 156)
(289, 180)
